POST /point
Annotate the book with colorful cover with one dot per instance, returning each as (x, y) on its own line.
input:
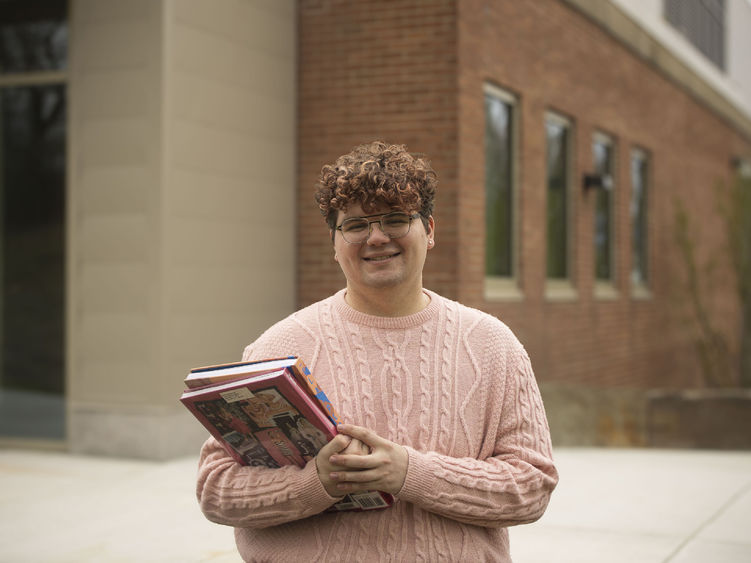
(210, 375)
(269, 418)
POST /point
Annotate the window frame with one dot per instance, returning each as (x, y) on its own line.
(504, 288)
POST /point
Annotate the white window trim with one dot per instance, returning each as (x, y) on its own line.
(563, 289)
(506, 288)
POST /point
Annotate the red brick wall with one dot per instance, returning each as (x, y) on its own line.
(374, 70)
(413, 72)
(554, 58)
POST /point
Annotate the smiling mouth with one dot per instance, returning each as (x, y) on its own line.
(381, 258)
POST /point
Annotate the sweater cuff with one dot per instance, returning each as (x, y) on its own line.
(310, 491)
(419, 482)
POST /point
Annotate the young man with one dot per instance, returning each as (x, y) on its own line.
(442, 407)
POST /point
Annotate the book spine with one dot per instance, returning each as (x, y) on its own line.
(306, 379)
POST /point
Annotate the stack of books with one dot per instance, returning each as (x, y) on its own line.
(269, 413)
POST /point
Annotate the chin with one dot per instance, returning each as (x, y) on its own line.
(383, 282)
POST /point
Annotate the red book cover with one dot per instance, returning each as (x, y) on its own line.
(211, 375)
(271, 420)
(240, 413)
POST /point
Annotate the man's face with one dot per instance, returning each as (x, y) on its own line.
(381, 263)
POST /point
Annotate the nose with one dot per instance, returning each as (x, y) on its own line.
(376, 236)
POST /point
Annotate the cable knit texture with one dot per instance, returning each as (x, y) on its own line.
(451, 384)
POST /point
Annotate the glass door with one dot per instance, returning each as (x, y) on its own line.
(33, 57)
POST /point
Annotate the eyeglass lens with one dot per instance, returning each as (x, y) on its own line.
(393, 225)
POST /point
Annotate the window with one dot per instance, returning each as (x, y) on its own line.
(602, 149)
(638, 214)
(557, 134)
(500, 119)
(33, 53)
(702, 22)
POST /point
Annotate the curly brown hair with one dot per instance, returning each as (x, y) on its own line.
(377, 173)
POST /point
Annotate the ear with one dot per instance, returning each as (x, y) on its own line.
(331, 233)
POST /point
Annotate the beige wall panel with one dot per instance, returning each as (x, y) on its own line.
(228, 152)
(230, 177)
(229, 268)
(218, 59)
(189, 334)
(115, 338)
(208, 196)
(182, 159)
(230, 287)
(115, 288)
(107, 11)
(116, 45)
(259, 25)
(153, 432)
(210, 244)
(117, 142)
(119, 94)
(115, 190)
(114, 174)
(107, 384)
(231, 107)
(114, 238)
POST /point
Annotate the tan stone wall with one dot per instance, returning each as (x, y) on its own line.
(114, 186)
(228, 216)
(181, 170)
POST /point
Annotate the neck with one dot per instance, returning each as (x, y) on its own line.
(393, 303)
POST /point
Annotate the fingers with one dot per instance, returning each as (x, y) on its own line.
(358, 459)
(356, 447)
(365, 435)
(353, 461)
(339, 443)
(323, 464)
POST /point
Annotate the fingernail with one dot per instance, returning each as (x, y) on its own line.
(334, 475)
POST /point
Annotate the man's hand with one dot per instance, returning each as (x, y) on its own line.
(384, 468)
(342, 445)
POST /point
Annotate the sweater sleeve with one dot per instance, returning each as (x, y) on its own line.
(513, 485)
(258, 497)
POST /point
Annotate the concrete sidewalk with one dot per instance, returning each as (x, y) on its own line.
(611, 506)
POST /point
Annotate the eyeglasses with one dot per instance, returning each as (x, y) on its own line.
(356, 230)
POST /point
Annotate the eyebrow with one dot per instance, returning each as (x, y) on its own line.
(375, 215)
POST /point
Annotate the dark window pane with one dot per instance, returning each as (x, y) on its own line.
(33, 35)
(557, 172)
(603, 156)
(498, 189)
(638, 212)
(32, 184)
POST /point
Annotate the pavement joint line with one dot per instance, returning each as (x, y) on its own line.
(692, 536)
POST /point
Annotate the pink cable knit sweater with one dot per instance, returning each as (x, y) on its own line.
(451, 384)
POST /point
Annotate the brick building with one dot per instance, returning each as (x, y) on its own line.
(564, 134)
(589, 276)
